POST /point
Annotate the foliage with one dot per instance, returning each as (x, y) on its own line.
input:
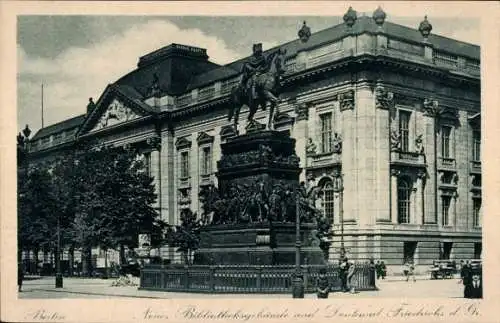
(36, 221)
(101, 197)
(186, 236)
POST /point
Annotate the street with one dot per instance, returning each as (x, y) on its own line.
(394, 287)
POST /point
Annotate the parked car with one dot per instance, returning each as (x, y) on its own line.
(443, 269)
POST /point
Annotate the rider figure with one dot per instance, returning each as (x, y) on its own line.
(257, 64)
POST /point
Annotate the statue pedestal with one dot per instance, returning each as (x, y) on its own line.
(257, 244)
(258, 177)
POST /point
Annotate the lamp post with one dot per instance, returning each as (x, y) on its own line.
(298, 280)
(339, 187)
(59, 278)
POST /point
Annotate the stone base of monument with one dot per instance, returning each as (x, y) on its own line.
(257, 244)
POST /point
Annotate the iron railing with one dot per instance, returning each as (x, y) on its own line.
(246, 278)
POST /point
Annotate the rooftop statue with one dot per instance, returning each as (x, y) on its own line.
(259, 84)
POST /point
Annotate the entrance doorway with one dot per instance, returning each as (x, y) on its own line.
(446, 250)
(409, 248)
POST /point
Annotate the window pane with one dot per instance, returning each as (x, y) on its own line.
(326, 132)
(476, 146)
(184, 164)
(206, 162)
(445, 142)
(476, 208)
(446, 201)
(404, 194)
(404, 121)
(328, 201)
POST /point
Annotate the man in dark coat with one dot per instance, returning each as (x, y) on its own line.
(476, 285)
(466, 276)
(344, 269)
(323, 287)
(473, 283)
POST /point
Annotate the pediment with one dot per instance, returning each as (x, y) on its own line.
(204, 138)
(227, 131)
(183, 143)
(115, 113)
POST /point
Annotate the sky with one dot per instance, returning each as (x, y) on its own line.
(75, 57)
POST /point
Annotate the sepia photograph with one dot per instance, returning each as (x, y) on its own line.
(218, 156)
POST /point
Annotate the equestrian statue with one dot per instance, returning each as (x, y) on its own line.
(259, 84)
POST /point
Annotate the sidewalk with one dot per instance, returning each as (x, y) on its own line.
(97, 288)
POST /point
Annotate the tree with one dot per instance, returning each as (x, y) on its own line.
(186, 236)
(35, 217)
(115, 199)
(99, 197)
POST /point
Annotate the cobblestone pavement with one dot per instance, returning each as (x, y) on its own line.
(395, 287)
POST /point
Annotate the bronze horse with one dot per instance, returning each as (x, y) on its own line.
(267, 90)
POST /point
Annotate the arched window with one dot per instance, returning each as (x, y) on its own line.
(328, 199)
(404, 195)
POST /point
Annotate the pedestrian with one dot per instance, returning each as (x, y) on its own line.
(383, 269)
(344, 268)
(378, 269)
(409, 270)
(475, 288)
(350, 274)
(466, 278)
(20, 277)
(323, 287)
(373, 270)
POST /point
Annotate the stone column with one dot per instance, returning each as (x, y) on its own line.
(384, 104)
(394, 195)
(154, 143)
(420, 204)
(300, 133)
(349, 147)
(433, 111)
(366, 156)
(454, 210)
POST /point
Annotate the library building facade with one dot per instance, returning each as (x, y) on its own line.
(386, 118)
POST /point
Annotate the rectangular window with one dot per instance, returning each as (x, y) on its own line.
(445, 141)
(445, 210)
(328, 200)
(404, 122)
(206, 161)
(476, 210)
(184, 164)
(476, 146)
(404, 198)
(326, 132)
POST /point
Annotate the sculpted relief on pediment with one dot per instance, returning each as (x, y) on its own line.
(116, 113)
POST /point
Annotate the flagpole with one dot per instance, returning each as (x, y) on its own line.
(42, 105)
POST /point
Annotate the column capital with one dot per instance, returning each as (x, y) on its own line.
(346, 100)
(432, 107)
(383, 99)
